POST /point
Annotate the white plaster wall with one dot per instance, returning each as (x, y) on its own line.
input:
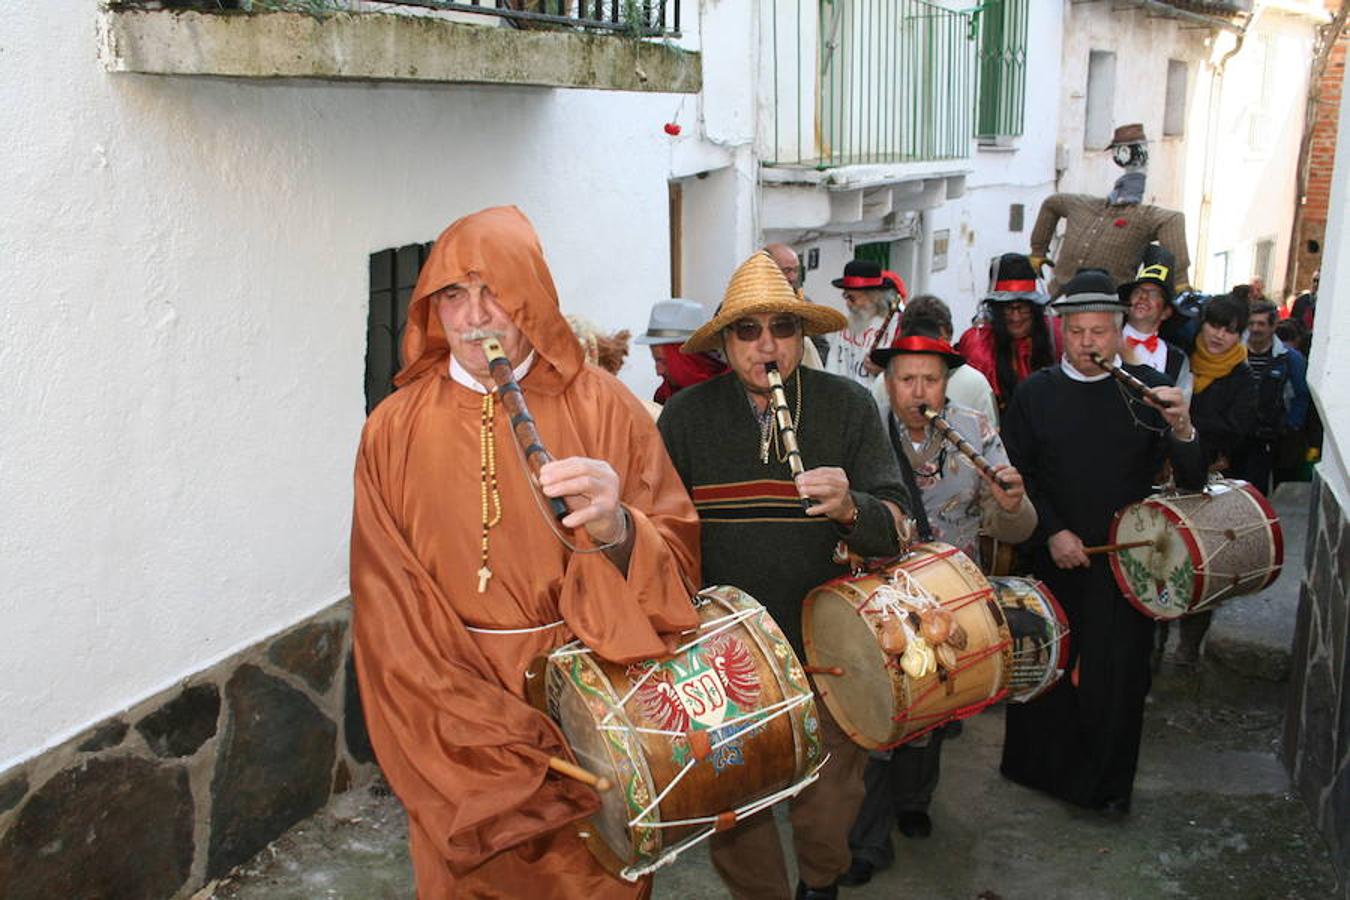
(1328, 364)
(1253, 187)
(1143, 44)
(182, 350)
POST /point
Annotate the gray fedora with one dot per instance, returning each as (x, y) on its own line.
(673, 321)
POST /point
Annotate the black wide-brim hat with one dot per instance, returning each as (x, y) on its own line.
(860, 274)
(1091, 290)
(1012, 278)
(917, 344)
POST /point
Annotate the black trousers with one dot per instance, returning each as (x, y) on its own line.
(1081, 743)
(903, 783)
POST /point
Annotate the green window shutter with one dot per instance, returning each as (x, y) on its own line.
(1001, 97)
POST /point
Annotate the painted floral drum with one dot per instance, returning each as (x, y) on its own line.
(691, 743)
(898, 652)
(1197, 549)
(1040, 635)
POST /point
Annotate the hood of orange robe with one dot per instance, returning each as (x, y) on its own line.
(500, 246)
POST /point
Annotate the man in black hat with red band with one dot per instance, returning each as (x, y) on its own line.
(957, 502)
(871, 295)
(1087, 447)
(1017, 339)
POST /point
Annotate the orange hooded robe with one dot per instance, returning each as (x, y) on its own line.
(444, 705)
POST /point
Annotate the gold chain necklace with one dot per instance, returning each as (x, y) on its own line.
(487, 487)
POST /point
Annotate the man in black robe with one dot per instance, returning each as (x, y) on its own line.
(1088, 446)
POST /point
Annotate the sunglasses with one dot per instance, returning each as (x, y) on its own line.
(780, 327)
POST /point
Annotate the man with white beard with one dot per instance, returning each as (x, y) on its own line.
(869, 294)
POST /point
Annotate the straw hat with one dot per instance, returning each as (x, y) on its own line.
(758, 286)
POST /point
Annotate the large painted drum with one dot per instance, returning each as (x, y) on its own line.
(721, 729)
(1198, 549)
(899, 652)
(1040, 635)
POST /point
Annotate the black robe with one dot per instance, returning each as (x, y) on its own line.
(1084, 456)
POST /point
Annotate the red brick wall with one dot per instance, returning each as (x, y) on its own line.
(1322, 157)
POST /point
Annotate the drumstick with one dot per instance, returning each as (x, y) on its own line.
(950, 435)
(1112, 548)
(571, 770)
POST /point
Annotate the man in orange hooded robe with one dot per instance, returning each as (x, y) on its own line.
(459, 580)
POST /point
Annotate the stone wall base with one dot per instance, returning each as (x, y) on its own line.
(1317, 727)
(179, 789)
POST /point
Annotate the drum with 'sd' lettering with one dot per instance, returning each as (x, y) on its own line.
(692, 742)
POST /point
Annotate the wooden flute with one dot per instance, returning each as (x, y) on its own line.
(786, 428)
(950, 435)
(1126, 379)
(522, 423)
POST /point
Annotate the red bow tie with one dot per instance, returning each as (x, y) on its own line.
(1149, 343)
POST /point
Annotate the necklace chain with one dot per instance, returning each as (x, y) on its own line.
(488, 493)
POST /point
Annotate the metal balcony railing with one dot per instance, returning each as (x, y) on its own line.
(642, 17)
(868, 81)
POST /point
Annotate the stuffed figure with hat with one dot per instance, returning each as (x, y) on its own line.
(872, 296)
(1016, 338)
(1110, 232)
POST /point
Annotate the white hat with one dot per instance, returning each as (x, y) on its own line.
(673, 321)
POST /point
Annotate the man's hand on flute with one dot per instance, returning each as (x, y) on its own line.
(828, 487)
(1171, 402)
(592, 487)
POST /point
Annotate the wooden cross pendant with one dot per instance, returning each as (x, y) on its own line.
(483, 575)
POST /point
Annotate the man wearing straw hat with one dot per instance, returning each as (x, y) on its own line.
(1088, 446)
(757, 535)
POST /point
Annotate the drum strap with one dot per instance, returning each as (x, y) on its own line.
(915, 498)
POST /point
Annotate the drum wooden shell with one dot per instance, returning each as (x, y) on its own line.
(874, 701)
(1208, 546)
(608, 710)
(1040, 635)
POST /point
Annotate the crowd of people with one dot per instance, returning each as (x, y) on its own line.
(460, 578)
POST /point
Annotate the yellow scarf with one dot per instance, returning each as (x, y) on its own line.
(1206, 367)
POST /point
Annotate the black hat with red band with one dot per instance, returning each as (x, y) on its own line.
(861, 274)
(917, 343)
(1012, 278)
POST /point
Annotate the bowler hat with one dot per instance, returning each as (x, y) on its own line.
(1091, 290)
(913, 342)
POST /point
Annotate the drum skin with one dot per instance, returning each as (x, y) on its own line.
(748, 666)
(1040, 635)
(874, 701)
(1209, 546)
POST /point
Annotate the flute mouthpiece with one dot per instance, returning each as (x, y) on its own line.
(492, 349)
(923, 409)
(771, 366)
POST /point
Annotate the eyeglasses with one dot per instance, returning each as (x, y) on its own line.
(748, 330)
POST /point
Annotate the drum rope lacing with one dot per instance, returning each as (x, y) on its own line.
(1237, 533)
(632, 873)
(782, 709)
